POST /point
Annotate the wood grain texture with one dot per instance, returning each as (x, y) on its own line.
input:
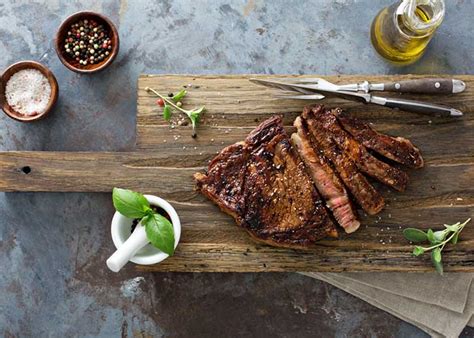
(167, 156)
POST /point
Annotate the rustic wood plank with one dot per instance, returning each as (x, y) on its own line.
(439, 142)
(212, 242)
(94, 172)
(436, 185)
(217, 257)
(167, 157)
(235, 106)
(233, 101)
(442, 192)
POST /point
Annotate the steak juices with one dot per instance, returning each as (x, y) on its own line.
(283, 195)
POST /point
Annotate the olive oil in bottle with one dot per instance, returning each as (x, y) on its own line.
(402, 31)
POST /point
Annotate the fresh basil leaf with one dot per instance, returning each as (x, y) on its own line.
(177, 97)
(455, 238)
(167, 112)
(129, 203)
(436, 259)
(415, 235)
(160, 233)
(418, 250)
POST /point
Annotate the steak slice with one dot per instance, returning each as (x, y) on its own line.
(263, 184)
(326, 180)
(365, 194)
(398, 149)
(224, 181)
(365, 161)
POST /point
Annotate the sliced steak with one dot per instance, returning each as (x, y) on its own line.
(365, 194)
(365, 161)
(224, 182)
(325, 178)
(397, 149)
(263, 184)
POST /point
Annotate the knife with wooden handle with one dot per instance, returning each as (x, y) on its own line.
(316, 92)
(426, 86)
(419, 86)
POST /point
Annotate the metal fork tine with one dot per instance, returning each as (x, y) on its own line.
(300, 80)
(301, 97)
(312, 81)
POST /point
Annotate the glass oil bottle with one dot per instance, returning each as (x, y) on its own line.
(402, 31)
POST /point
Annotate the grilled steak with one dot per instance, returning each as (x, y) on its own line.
(263, 184)
(397, 149)
(326, 180)
(365, 194)
(224, 183)
(271, 188)
(365, 161)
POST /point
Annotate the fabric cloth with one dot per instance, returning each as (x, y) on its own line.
(441, 306)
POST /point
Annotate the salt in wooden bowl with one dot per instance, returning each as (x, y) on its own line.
(16, 67)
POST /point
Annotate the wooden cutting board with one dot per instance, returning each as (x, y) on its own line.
(166, 158)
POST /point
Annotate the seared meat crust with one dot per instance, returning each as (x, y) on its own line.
(269, 183)
(365, 161)
(263, 184)
(398, 149)
(365, 194)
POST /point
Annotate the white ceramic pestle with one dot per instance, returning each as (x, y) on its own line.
(134, 247)
(127, 250)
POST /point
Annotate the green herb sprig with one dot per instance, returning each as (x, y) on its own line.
(193, 114)
(437, 239)
(158, 228)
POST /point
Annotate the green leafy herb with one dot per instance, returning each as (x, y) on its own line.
(193, 114)
(159, 232)
(438, 236)
(437, 239)
(415, 235)
(129, 203)
(418, 250)
(167, 112)
(178, 97)
(455, 238)
(430, 235)
(158, 228)
(436, 259)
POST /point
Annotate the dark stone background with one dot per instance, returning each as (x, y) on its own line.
(53, 246)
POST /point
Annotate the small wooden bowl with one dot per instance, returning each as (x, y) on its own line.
(27, 65)
(71, 63)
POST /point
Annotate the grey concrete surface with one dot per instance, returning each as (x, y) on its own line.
(53, 279)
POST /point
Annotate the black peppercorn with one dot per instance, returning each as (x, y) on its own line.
(87, 42)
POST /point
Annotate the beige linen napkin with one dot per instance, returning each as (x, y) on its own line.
(435, 320)
(452, 288)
